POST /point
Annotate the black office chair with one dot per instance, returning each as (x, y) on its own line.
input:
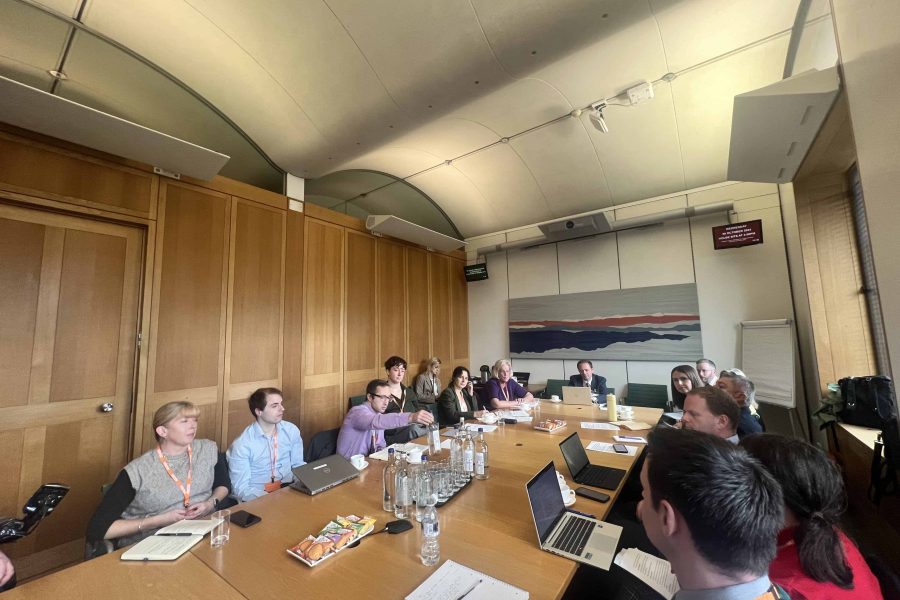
(522, 378)
(323, 444)
(355, 401)
(649, 395)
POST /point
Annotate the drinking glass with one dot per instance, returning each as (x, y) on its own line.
(222, 529)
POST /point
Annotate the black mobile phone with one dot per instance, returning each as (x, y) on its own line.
(242, 518)
(620, 448)
(592, 494)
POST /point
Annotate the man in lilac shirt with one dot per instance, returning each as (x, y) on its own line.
(364, 425)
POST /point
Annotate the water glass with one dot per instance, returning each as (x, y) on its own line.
(222, 529)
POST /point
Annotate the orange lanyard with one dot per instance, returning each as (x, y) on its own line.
(505, 391)
(185, 488)
(274, 455)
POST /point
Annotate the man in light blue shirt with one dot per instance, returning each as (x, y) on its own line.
(261, 458)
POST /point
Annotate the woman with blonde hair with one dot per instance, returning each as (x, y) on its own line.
(502, 390)
(428, 385)
(181, 478)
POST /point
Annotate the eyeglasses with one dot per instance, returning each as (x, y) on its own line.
(381, 397)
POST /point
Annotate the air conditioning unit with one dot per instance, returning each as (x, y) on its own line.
(577, 227)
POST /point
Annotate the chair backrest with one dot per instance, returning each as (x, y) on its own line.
(554, 387)
(355, 401)
(650, 395)
(481, 396)
(323, 444)
(522, 378)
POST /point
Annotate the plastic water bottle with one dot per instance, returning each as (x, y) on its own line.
(401, 491)
(431, 529)
(468, 456)
(414, 470)
(390, 475)
(481, 456)
(424, 490)
(434, 439)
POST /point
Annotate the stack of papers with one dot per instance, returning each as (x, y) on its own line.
(607, 447)
(655, 572)
(170, 542)
(592, 425)
(453, 581)
(404, 448)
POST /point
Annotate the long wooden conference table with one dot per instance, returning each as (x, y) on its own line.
(487, 526)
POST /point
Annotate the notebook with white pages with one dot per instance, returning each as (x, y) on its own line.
(170, 542)
(453, 580)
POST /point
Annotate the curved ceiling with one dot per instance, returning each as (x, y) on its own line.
(424, 90)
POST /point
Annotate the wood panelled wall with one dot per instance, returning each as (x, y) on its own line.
(238, 292)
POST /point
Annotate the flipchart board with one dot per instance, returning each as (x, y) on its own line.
(767, 349)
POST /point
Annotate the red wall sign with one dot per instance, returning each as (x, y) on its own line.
(736, 235)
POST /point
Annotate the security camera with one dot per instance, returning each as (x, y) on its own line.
(570, 224)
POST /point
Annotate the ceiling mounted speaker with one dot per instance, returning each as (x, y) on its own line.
(410, 232)
(576, 227)
(41, 112)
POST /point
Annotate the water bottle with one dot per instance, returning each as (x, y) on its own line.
(431, 529)
(414, 471)
(456, 457)
(390, 475)
(424, 490)
(481, 456)
(401, 491)
(468, 456)
(434, 439)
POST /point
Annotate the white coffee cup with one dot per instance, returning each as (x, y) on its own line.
(568, 494)
(358, 461)
(555, 398)
(489, 417)
(561, 479)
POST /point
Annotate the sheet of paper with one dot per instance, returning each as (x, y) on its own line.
(406, 448)
(655, 572)
(675, 415)
(629, 439)
(633, 425)
(607, 447)
(515, 413)
(605, 426)
(476, 426)
(453, 580)
(195, 527)
(161, 547)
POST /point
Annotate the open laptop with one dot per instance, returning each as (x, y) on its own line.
(583, 471)
(323, 474)
(583, 539)
(576, 395)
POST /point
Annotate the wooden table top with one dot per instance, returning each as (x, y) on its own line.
(488, 527)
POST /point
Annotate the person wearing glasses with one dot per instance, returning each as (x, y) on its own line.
(363, 429)
(743, 391)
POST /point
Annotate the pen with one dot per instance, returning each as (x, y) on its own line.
(469, 591)
(174, 534)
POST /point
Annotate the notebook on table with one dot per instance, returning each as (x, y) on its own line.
(577, 395)
(582, 539)
(583, 471)
(323, 474)
(170, 542)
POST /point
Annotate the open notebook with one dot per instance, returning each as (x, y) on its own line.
(170, 542)
(453, 581)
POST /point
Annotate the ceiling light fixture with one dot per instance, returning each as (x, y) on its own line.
(596, 117)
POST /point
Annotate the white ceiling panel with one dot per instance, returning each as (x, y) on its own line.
(552, 29)
(195, 51)
(400, 162)
(426, 53)
(65, 7)
(507, 184)
(564, 164)
(304, 47)
(516, 107)
(17, 71)
(704, 100)
(30, 40)
(699, 30)
(640, 154)
(612, 64)
(460, 199)
(447, 138)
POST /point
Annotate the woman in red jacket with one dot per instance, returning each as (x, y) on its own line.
(815, 559)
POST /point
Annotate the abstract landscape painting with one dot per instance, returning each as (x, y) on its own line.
(654, 323)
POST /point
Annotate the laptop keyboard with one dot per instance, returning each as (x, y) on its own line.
(574, 535)
(607, 478)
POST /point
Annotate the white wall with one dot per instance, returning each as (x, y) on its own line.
(733, 285)
(869, 48)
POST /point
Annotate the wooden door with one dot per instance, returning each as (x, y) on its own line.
(69, 301)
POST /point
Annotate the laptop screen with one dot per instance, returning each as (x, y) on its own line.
(546, 501)
(573, 452)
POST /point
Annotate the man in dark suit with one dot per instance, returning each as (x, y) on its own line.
(586, 377)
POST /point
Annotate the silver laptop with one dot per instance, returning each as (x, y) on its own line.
(580, 538)
(577, 395)
(323, 474)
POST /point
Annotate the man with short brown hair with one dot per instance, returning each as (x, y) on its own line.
(711, 410)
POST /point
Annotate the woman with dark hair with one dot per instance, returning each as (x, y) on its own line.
(403, 399)
(815, 559)
(684, 379)
(457, 400)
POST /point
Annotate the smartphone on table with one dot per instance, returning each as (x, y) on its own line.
(242, 518)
